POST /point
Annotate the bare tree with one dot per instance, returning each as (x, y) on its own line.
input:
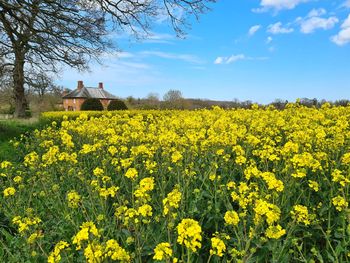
(40, 83)
(173, 99)
(44, 34)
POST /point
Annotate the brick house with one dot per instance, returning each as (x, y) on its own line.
(73, 100)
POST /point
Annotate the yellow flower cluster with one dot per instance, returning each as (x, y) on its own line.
(55, 255)
(275, 232)
(163, 251)
(25, 222)
(86, 229)
(340, 203)
(189, 234)
(171, 201)
(264, 209)
(115, 252)
(145, 186)
(231, 218)
(73, 199)
(300, 213)
(131, 173)
(9, 191)
(218, 247)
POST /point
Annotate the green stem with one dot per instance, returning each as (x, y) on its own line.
(188, 256)
(330, 245)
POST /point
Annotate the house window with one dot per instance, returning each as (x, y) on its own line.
(74, 101)
(66, 101)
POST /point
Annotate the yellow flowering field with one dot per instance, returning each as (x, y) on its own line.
(256, 185)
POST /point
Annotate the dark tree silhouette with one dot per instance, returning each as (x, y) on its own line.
(92, 104)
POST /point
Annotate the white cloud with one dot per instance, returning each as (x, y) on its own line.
(311, 24)
(277, 28)
(219, 60)
(269, 40)
(129, 75)
(253, 30)
(346, 23)
(125, 55)
(317, 12)
(116, 54)
(146, 37)
(343, 37)
(235, 58)
(159, 38)
(184, 57)
(277, 5)
(229, 60)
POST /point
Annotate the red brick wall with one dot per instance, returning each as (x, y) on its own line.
(75, 104)
(72, 104)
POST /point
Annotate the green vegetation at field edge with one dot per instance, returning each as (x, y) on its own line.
(11, 129)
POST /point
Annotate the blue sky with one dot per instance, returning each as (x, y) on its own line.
(257, 50)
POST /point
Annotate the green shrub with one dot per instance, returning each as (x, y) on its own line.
(117, 105)
(92, 104)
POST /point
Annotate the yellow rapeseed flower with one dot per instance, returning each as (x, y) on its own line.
(300, 213)
(55, 256)
(340, 203)
(275, 232)
(73, 199)
(131, 173)
(9, 191)
(231, 218)
(189, 234)
(171, 201)
(162, 251)
(218, 247)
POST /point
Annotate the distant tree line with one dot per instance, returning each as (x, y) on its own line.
(173, 99)
(310, 103)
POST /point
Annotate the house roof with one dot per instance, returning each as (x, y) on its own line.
(88, 92)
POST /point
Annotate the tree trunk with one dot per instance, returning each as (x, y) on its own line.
(18, 82)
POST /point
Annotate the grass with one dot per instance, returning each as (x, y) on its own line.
(11, 129)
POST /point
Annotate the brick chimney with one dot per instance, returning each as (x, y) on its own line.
(80, 84)
(100, 85)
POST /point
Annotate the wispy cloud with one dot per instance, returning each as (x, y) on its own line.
(117, 54)
(115, 75)
(314, 21)
(235, 58)
(346, 4)
(184, 57)
(317, 12)
(269, 40)
(277, 28)
(312, 24)
(145, 37)
(343, 36)
(253, 30)
(159, 38)
(277, 5)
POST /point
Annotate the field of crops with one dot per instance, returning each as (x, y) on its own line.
(256, 185)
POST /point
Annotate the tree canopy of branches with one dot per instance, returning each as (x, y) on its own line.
(173, 99)
(42, 35)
